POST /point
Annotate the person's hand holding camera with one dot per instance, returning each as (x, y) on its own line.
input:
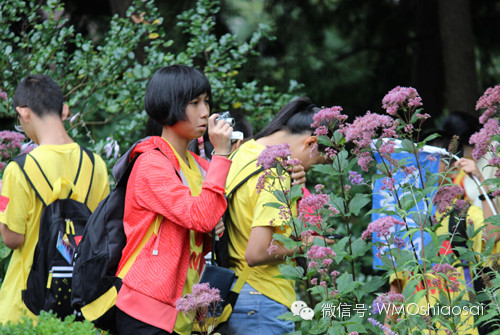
(219, 133)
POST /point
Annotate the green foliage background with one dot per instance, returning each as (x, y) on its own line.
(104, 83)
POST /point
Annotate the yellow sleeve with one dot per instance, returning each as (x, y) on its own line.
(266, 216)
(17, 197)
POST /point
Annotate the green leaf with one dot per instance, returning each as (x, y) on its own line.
(326, 169)
(494, 219)
(345, 284)
(359, 201)
(290, 271)
(277, 205)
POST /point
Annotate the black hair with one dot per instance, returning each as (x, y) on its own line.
(462, 124)
(242, 124)
(153, 128)
(296, 117)
(171, 89)
(207, 145)
(41, 94)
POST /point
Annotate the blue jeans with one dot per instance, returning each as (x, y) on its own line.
(256, 314)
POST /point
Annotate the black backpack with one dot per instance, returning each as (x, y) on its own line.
(100, 249)
(61, 226)
(95, 283)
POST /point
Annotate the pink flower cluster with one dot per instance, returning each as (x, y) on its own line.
(385, 300)
(270, 157)
(201, 297)
(401, 97)
(364, 129)
(274, 154)
(480, 140)
(382, 227)
(10, 141)
(310, 208)
(327, 118)
(3, 95)
(490, 101)
(445, 197)
(11, 145)
(320, 258)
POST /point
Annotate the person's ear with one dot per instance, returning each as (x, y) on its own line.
(237, 144)
(24, 113)
(65, 112)
(310, 141)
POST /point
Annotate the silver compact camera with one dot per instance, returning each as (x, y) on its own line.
(226, 117)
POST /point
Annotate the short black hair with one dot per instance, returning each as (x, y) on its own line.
(153, 128)
(41, 94)
(296, 117)
(171, 89)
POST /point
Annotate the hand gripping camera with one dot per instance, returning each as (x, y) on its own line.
(226, 117)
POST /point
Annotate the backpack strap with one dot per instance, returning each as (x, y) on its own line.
(21, 161)
(79, 181)
(44, 191)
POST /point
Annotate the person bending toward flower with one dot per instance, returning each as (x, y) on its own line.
(452, 210)
(166, 219)
(264, 297)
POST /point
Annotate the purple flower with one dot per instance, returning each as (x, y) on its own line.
(328, 117)
(3, 95)
(355, 178)
(11, 144)
(401, 97)
(388, 184)
(387, 330)
(321, 131)
(310, 207)
(446, 275)
(320, 258)
(481, 139)
(363, 130)
(386, 300)
(274, 154)
(445, 196)
(112, 148)
(319, 252)
(491, 101)
(319, 187)
(399, 242)
(382, 227)
(272, 247)
(199, 300)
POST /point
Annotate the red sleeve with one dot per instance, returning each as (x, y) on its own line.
(159, 189)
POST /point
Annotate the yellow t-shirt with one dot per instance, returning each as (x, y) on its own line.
(476, 215)
(21, 211)
(184, 323)
(247, 209)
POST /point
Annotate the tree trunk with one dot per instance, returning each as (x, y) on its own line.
(458, 55)
(428, 70)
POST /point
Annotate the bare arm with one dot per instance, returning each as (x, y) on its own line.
(11, 239)
(471, 168)
(259, 242)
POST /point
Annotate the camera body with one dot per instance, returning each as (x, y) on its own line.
(226, 117)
